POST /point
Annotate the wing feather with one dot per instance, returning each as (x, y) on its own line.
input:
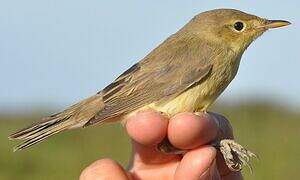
(176, 65)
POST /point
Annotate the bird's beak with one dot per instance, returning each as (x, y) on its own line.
(270, 24)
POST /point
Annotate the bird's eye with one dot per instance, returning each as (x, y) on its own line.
(239, 26)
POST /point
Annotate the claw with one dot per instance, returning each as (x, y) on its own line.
(235, 155)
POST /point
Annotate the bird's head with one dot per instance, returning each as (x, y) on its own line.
(231, 28)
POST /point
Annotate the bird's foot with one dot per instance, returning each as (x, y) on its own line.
(235, 155)
(166, 115)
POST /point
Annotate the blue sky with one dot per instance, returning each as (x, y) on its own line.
(55, 52)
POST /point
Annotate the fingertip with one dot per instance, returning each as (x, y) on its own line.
(187, 130)
(147, 127)
(102, 169)
(196, 163)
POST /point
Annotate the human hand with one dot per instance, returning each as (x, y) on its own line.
(187, 131)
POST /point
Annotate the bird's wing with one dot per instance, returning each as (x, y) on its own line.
(172, 68)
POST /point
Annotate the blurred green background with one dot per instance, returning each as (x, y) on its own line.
(272, 132)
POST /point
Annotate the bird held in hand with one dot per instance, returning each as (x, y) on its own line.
(186, 73)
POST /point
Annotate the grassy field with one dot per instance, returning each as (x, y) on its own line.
(273, 133)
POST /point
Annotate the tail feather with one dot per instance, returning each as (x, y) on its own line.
(37, 138)
(73, 117)
(29, 131)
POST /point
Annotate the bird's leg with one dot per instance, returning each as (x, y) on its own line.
(166, 147)
(235, 155)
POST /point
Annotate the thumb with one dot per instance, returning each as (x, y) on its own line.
(199, 163)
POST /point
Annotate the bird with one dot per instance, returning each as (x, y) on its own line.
(185, 73)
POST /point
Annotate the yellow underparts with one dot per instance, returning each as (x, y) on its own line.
(196, 99)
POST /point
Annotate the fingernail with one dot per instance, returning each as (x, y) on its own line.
(211, 173)
(205, 175)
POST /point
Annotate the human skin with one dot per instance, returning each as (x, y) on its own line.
(187, 131)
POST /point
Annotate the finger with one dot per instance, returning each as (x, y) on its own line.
(147, 129)
(197, 163)
(224, 132)
(102, 169)
(223, 125)
(188, 131)
(233, 176)
(212, 173)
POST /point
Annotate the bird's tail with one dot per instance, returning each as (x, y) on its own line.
(73, 117)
